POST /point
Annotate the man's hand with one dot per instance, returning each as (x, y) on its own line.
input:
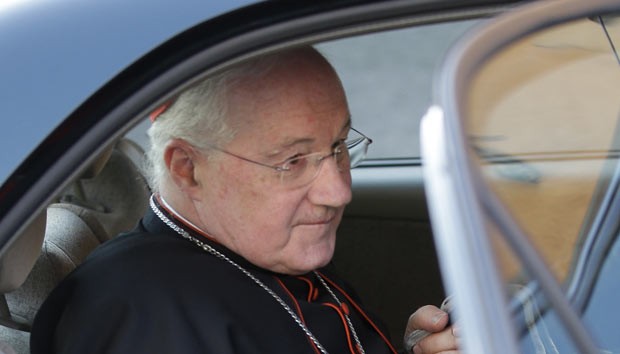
(441, 339)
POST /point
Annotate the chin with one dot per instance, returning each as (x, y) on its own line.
(311, 251)
(317, 259)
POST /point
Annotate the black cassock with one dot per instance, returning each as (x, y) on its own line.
(152, 291)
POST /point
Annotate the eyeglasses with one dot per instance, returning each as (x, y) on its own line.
(301, 170)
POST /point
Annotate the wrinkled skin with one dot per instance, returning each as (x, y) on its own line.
(297, 109)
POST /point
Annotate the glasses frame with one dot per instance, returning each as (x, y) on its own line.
(358, 145)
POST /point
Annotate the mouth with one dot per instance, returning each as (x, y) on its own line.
(318, 222)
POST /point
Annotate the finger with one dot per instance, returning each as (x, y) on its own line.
(428, 318)
(456, 330)
(441, 342)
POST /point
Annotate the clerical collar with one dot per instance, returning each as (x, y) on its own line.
(161, 203)
(172, 219)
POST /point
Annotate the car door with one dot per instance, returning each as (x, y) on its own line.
(530, 235)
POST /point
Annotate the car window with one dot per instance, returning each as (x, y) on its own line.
(545, 120)
(544, 128)
(387, 76)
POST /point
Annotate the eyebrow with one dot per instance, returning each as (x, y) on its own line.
(347, 124)
(345, 127)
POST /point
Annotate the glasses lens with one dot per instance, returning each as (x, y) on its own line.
(302, 170)
(296, 168)
(357, 145)
(341, 155)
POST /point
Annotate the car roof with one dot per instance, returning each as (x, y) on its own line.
(55, 54)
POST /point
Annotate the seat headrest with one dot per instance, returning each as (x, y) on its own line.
(98, 164)
(19, 256)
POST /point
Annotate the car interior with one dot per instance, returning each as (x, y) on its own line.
(393, 271)
(385, 245)
(108, 197)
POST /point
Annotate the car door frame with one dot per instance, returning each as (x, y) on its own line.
(459, 200)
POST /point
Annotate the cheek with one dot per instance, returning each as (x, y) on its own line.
(258, 198)
(273, 211)
(347, 177)
(273, 216)
(218, 182)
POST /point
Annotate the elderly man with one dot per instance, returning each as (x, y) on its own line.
(251, 173)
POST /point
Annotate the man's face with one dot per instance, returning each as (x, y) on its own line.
(298, 109)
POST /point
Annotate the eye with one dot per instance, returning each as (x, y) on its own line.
(339, 146)
(296, 165)
(292, 160)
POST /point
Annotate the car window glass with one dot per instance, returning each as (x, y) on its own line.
(541, 331)
(544, 129)
(544, 126)
(602, 301)
(387, 77)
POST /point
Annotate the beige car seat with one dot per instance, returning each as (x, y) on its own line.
(16, 261)
(108, 198)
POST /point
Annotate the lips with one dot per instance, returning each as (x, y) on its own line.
(318, 221)
(321, 222)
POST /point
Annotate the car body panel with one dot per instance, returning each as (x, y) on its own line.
(99, 82)
(61, 52)
(152, 78)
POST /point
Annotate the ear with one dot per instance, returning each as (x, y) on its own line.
(181, 160)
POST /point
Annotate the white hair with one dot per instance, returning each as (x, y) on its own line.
(198, 115)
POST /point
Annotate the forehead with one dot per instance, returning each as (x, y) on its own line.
(266, 78)
(299, 97)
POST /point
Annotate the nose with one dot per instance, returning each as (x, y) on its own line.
(332, 186)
